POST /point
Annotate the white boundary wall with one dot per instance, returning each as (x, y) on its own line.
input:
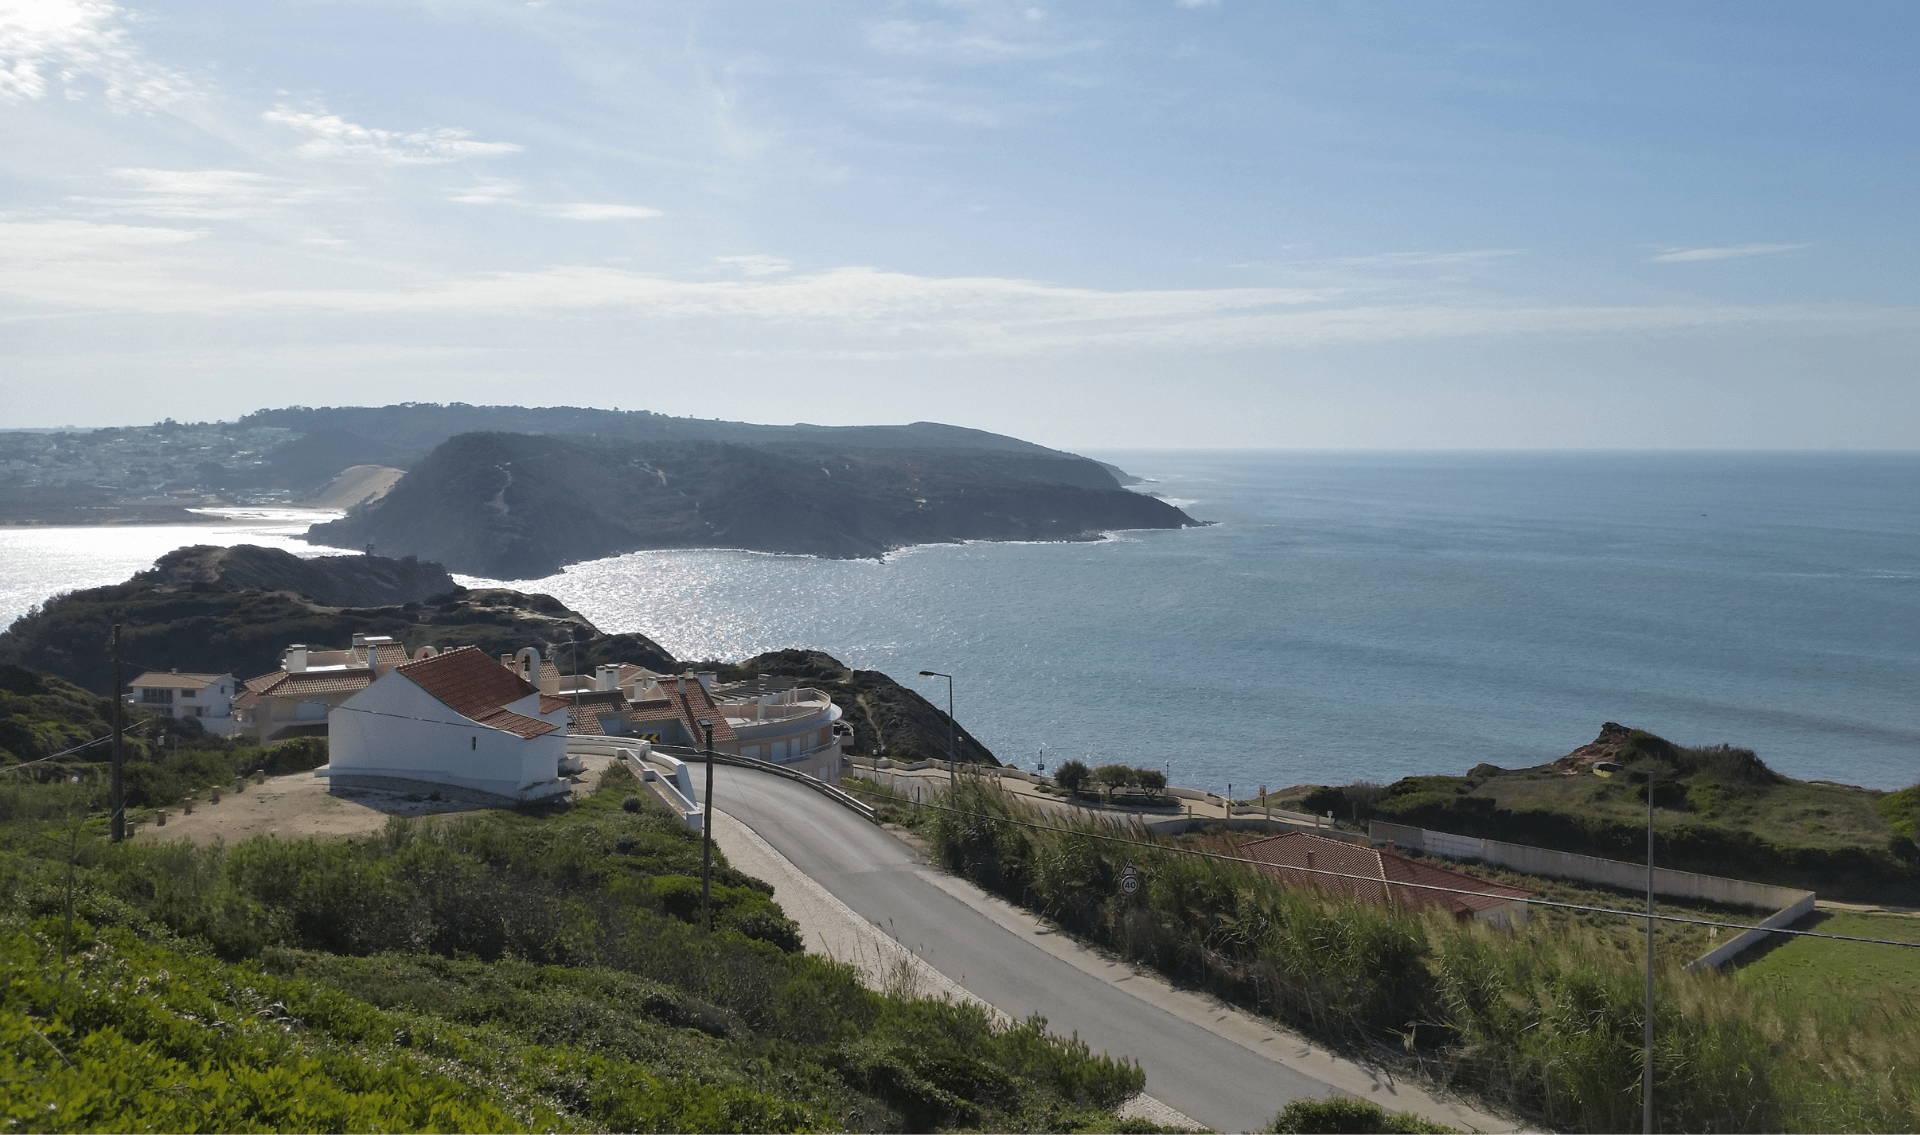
(1788, 904)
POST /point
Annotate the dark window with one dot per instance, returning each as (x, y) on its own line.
(186, 693)
(152, 695)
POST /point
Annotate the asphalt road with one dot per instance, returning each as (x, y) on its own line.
(1220, 1083)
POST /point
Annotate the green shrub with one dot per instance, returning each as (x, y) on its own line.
(1344, 1115)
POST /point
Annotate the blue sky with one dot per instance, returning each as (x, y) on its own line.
(1097, 225)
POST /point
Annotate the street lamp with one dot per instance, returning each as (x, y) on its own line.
(706, 836)
(1643, 776)
(952, 763)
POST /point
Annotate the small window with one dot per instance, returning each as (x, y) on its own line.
(187, 693)
(473, 742)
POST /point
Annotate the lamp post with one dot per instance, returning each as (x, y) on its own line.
(706, 835)
(952, 762)
(1645, 776)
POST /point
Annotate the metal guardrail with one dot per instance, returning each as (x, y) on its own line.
(832, 792)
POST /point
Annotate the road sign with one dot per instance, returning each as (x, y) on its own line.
(1129, 880)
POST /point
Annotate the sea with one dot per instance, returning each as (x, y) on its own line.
(1341, 616)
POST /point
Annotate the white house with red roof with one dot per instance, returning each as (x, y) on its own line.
(207, 698)
(460, 719)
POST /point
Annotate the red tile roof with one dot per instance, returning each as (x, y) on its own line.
(551, 702)
(468, 682)
(310, 683)
(518, 724)
(1298, 860)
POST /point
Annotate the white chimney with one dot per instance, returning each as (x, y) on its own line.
(606, 677)
(294, 661)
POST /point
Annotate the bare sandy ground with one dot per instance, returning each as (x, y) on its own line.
(299, 805)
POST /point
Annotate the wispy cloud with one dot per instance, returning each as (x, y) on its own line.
(756, 265)
(59, 44)
(863, 311)
(1733, 252)
(980, 32)
(494, 191)
(203, 194)
(596, 211)
(330, 136)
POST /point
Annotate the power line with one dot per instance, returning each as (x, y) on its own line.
(1390, 883)
(79, 747)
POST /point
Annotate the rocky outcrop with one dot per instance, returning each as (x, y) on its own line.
(517, 506)
(335, 581)
(189, 614)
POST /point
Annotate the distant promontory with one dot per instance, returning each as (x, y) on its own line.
(519, 506)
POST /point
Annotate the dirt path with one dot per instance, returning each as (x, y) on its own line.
(299, 805)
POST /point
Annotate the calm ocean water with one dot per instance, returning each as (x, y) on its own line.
(1348, 616)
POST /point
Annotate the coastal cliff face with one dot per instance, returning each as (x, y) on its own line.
(517, 506)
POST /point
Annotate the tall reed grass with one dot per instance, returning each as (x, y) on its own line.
(1545, 1021)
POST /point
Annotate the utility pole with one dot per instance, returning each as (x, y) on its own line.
(706, 836)
(1646, 1069)
(952, 740)
(118, 792)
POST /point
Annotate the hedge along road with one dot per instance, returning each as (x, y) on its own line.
(980, 944)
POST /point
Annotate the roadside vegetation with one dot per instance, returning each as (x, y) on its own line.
(498, 971)
(1546, 1023)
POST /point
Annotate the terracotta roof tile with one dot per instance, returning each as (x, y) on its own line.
(468, 682)
(518, 724)
(551, 702)
(314, 682)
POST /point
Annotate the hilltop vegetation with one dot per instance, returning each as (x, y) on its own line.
(519, 506)
(1719, 810)
(499, 972)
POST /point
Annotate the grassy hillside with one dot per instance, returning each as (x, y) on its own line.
(1718, 810)
(500, 971)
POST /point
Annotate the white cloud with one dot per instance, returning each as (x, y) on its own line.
(331, 136)
(70, 240)
(592, 211)
(203, 194)
(978, 32)
(866, 311)
(1735, 252)
(489, 191)
(756, 265)
(44, 43)
(494, 191)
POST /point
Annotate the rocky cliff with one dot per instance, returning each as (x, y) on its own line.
(517, 506)
(335, 581)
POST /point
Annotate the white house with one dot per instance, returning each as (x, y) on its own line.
(207, 698)
(460, 719)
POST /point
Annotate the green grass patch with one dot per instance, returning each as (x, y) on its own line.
(1851, 970)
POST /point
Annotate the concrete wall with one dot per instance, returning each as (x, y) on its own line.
(1722, 954)
(1788, 904)
(395, 729)
(1587, 868)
